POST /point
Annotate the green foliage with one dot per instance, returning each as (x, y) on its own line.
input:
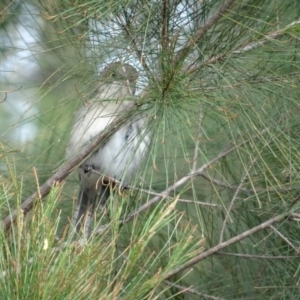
(35, 264)
(220, 89)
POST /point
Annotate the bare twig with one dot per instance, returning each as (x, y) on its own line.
(164, 28)
(267, 38)
(250, 256)
(223, 245)
(285, 239)
(246, 47)
(192, 291)
(257, 190)
(245, 175)
(6, 92)
(295, 217)
(192, 42)
(134, 43)
(183, 180)
(5, 97)
(197, 143)
(67, 168)
(199, 203)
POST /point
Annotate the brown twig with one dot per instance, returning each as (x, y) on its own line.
(197, 143)
(239, 50)
(67, 168)
(192, 291)
(223, 245)
(164, 28)
(6, 92)
(181, 181)
(5, 97)
(153, 193)
(192, 42)
(285, 239)
(134, 43)
(250, 256)
(244, 177)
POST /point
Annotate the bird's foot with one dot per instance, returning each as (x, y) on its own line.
(88, 169)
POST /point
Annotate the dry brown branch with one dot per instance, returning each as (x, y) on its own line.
(192, 42)
(181, 181)
(251, 256)
(247, 47)
(192, 291)
(197, 143)
(244, 177)
(139, 53)
(223, 245)
(66, 169)
(285, 239)
(164, 25)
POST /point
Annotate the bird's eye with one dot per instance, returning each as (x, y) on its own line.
(114, 74)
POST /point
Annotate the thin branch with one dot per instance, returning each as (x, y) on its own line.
(245, 48)
(67, 168)
(267, 38)
(285, 239)
(199, 203)
(133, 42)
(223, 245)
(250, 256)
(192, 42)
(184, 179)
(192, 291)
(164, 28)
(6, 92)
(257, 190)
(153, 193)
(295, 217)
(246, 173)
(197, 144)
(5, 97)
(220, 183)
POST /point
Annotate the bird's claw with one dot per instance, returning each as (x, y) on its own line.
(88, 169)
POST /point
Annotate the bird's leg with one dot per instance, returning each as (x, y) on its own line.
(88, 169)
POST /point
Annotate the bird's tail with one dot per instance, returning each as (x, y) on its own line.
(89, 201)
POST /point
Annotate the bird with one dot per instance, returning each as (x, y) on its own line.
(120, 156)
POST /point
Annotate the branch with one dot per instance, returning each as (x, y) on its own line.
(244, 177)
(247, 47)
(270, 37)
(197, 143)
(183, 180)
(164, 25)
(225, 244)
(200, 32)
(257, 190)
(192, 291)
(250, 256)
(67, 168)
(134, 43)
(285, 239)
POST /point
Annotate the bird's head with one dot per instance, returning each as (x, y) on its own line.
(121, 72)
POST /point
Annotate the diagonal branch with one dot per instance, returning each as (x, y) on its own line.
(253, 256)
(192, 42)
(225, 244)
(183, 180)
(244, 177)
(139, 53)
(67, 168)
(285, 239)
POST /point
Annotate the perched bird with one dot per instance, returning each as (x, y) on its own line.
(121, 155)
